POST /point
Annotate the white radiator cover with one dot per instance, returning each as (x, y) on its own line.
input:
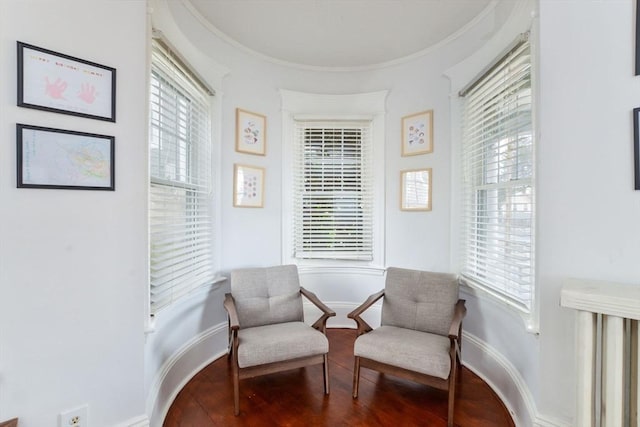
(607, 343)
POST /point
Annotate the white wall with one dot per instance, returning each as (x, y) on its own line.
(587, 209)
(72, 263)
(253, 236)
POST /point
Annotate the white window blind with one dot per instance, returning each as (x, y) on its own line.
(181, 200)
(498, 180)
(333, 206)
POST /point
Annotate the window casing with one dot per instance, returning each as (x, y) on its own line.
(498, 148)
(181, 223)
(333, 207)
(354, 136)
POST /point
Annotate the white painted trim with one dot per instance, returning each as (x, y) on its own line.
(139, 421)
(332, 269)
(493, 368)
(479, 291)
(480, 357)
(165, 387)
(371, 67)
(547, 421)
(487, 367)
(334, 107)
(600, 296)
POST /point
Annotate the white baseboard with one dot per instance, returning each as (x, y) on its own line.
(505, 380)
(547, 421)
(178, 369)
(480, 357)
(500, 374)
(140, 421)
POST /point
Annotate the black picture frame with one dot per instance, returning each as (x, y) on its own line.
(637, 37)
(636, 146)
(64, 159)
(55, 82)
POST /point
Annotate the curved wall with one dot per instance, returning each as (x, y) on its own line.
(253, 237)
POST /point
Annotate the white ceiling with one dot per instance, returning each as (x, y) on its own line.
(340, 33)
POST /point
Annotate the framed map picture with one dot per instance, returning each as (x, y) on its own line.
(64, 159)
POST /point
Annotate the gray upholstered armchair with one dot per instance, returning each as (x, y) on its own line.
(267, 332)
(419, 337)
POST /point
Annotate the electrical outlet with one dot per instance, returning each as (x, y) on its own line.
(77, 417)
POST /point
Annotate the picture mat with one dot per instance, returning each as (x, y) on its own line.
(54, 81)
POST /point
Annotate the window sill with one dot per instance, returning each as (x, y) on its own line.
(150, 324)
(343, 269)
(529, 318)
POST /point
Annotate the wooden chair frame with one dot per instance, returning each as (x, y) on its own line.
(269, 368)
(10, 423)
(455, 353)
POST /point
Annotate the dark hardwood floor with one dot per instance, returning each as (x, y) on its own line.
(296, 398)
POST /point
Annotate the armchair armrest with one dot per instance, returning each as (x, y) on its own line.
(230, 305)
(321, 323)
(363, 327)
(456, 323)
(10, 423)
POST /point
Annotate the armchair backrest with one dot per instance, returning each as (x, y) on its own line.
(264, 296)
(419, 300)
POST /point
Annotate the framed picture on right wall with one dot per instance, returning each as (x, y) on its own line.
(636, 146)
(417, 133)
(415, 190)
(637, 38)
(248, 186)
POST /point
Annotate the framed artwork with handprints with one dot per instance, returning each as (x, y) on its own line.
(248, 186)
(251, 132)
(417, 133)
(52, 81)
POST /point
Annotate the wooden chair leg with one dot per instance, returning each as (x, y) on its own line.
(356, 377)
(236, 391)
(325, 370)
(452, 395)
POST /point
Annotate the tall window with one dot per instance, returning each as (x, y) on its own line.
(180, 205)
(333, 201)
(498, 167)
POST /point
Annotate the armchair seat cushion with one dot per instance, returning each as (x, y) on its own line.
(406, 348)
(275, 343)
